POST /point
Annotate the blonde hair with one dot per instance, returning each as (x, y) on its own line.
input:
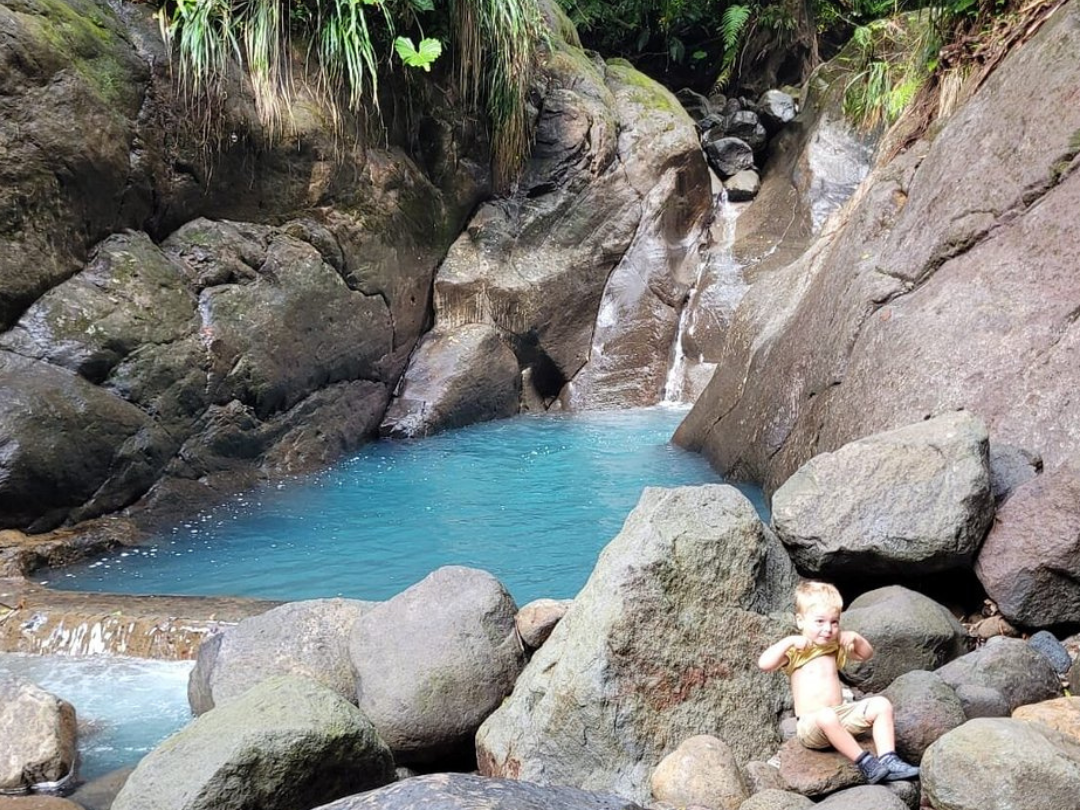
(810, 594)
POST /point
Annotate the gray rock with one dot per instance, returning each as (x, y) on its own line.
(728, 156)
(776, 109)
(1032, 766)
(286, 744)
(743, 186)
(625, 675)
(747, 127)
(54, 210)
(455, 378)
(773, 799)
(982, 701)
(914, 500)
(1030, 562)
(1010, 467)
(1053, 650)
(308, 639)
(909, 631)
(701, 771)
(435, 660)
(43, 475)
(641, 302)
(460, 791)
(37, 736)
(863, 797)
(1011, 666)
(925, 708)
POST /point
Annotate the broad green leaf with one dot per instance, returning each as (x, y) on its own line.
(428, 52)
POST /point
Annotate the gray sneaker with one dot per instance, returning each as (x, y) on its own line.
(872, 768)
(897, 768)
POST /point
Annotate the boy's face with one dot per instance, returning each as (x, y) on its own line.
(819, 624)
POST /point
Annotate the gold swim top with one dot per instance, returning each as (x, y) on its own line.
(798, 658)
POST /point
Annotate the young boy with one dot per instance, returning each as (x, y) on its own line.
(813, 661)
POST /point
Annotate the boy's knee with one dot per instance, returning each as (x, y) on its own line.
(880, 707)
(826, 718)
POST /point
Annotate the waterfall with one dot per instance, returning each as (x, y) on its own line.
(709, 302)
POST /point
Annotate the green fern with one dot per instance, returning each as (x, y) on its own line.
(732, 25)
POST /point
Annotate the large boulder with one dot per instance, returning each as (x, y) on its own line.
(661, 643)
(287, 744)
(435, 660)
(456, 377)
(906, 307)
(308, 639)
(909, 631)
(1009, 665)
(37, 736)
(461, 791)
(915, 500)
(1002, 764)
(925, 708)
(1030, 562)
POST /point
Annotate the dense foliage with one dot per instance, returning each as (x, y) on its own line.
(745, 45)
(351, 42)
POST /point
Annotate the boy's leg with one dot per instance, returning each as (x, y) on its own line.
(839, 737)
(880, 712)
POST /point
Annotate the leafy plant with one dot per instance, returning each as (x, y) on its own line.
(421, 57)
(352, 42)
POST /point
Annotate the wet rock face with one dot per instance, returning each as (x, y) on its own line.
(218, 348)
(909, 309)
(585, 269)
(229, 351)
(456, 378)
(62, 62)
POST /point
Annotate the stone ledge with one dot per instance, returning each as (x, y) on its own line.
(34, 619)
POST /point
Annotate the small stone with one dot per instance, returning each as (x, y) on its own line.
(1046, 643)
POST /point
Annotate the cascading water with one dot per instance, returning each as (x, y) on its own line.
(710, 302)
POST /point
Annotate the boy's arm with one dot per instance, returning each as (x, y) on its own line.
(775, 656)
(859, 649)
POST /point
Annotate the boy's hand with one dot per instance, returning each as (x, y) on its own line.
(800, 642)
(849, 638)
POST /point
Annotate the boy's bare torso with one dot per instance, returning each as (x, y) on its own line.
(816, 685)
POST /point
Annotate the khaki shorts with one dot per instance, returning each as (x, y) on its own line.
(852, 716)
